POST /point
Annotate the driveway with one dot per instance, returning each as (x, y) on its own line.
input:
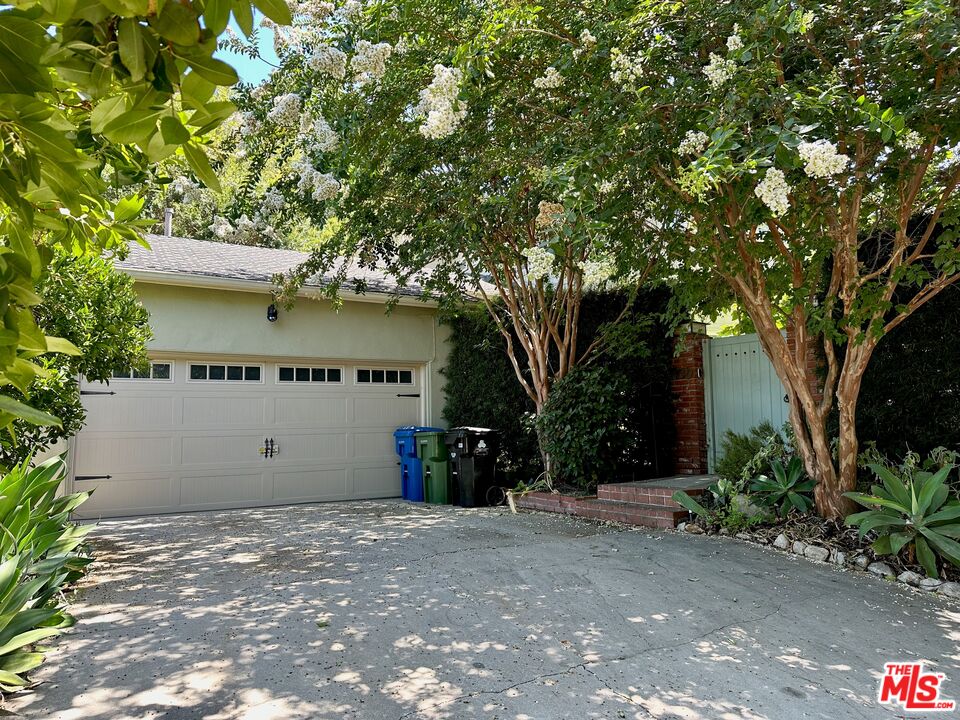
(385, 610)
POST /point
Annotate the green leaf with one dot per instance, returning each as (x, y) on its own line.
(898, 540)
(27, 413)
(926, 558)
(196, 90)
(210, 68)
(690, 504)
(178, 23)
(27, 638)
(133, 126)
(243, 14)
(128, 208)
(62, 346)
(133, 51)
(951, 512)
(216, 14)
(105, 111)
(173, 131)
(197, 159)
(276, 10)
(893, 484)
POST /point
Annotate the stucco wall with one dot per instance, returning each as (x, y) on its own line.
(206, 321)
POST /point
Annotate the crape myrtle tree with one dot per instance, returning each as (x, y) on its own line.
(803, 156)
(454, 154)
(92, 95)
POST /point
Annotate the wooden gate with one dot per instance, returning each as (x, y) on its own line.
(741, 389)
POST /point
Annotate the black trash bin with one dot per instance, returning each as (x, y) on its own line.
(473, 463)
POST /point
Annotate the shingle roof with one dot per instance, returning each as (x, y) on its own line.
(186, 256)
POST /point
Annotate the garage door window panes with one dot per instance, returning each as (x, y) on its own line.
(384, 376)
(156, 371)
(291, 374)
(215, 372)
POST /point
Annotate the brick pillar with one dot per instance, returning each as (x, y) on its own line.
(814, 359)
(689, 404)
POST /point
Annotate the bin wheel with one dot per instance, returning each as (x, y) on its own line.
(496, 496)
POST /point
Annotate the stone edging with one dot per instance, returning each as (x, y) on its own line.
(858, 561)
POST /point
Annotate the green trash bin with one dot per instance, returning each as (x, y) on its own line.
(432, 451)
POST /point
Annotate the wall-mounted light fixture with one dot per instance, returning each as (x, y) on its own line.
(272, 313)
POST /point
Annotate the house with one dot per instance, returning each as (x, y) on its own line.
(241, 408)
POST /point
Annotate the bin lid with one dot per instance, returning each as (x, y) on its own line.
(409, 430)
(476, 430)
(429, 431)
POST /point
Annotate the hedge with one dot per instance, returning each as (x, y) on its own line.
(910, 397)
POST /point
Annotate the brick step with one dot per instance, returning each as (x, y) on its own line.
(644, 494)
(648, 515)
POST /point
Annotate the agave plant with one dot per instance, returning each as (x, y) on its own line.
(917, 514)
(787, 488)
(40, 554)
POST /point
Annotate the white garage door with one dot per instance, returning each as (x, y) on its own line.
(202, 434)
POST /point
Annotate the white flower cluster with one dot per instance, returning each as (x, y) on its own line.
(773, 191)
(370, 61)
(735, 42)
(439, 104)
(273, 201)
(911, 140)
(184, 190)
(822, 159)
(539, 262)
(587, 41)
(551, 78)
(328, 60)
(350, 10)
(249, 125)
(317, 9)
(625, 69)
(242, 231)
(606, 187)
(286, 110)
(318, 136)
(320, 186)
(719, 70)
(693, 143)
(549, 214)
(596, 273)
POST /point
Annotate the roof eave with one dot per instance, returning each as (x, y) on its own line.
(213, 282)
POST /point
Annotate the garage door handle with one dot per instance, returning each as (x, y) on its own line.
(92, 477)
(408, 394)
(97, 392)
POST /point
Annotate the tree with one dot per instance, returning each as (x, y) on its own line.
(459, 164)
(95, 307)
(806, 159)
(93, 95)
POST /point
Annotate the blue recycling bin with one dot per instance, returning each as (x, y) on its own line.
(411, 467)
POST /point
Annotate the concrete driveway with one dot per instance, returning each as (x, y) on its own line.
(385, 610)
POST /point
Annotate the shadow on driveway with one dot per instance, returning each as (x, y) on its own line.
(386, 610)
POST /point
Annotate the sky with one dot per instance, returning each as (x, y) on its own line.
(251, 70)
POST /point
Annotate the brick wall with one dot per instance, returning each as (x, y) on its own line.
(689, 405)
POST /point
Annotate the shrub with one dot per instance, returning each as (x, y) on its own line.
(40, 554)
(586, 426)
(745, 456)
(915, 513)
(94, 306)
